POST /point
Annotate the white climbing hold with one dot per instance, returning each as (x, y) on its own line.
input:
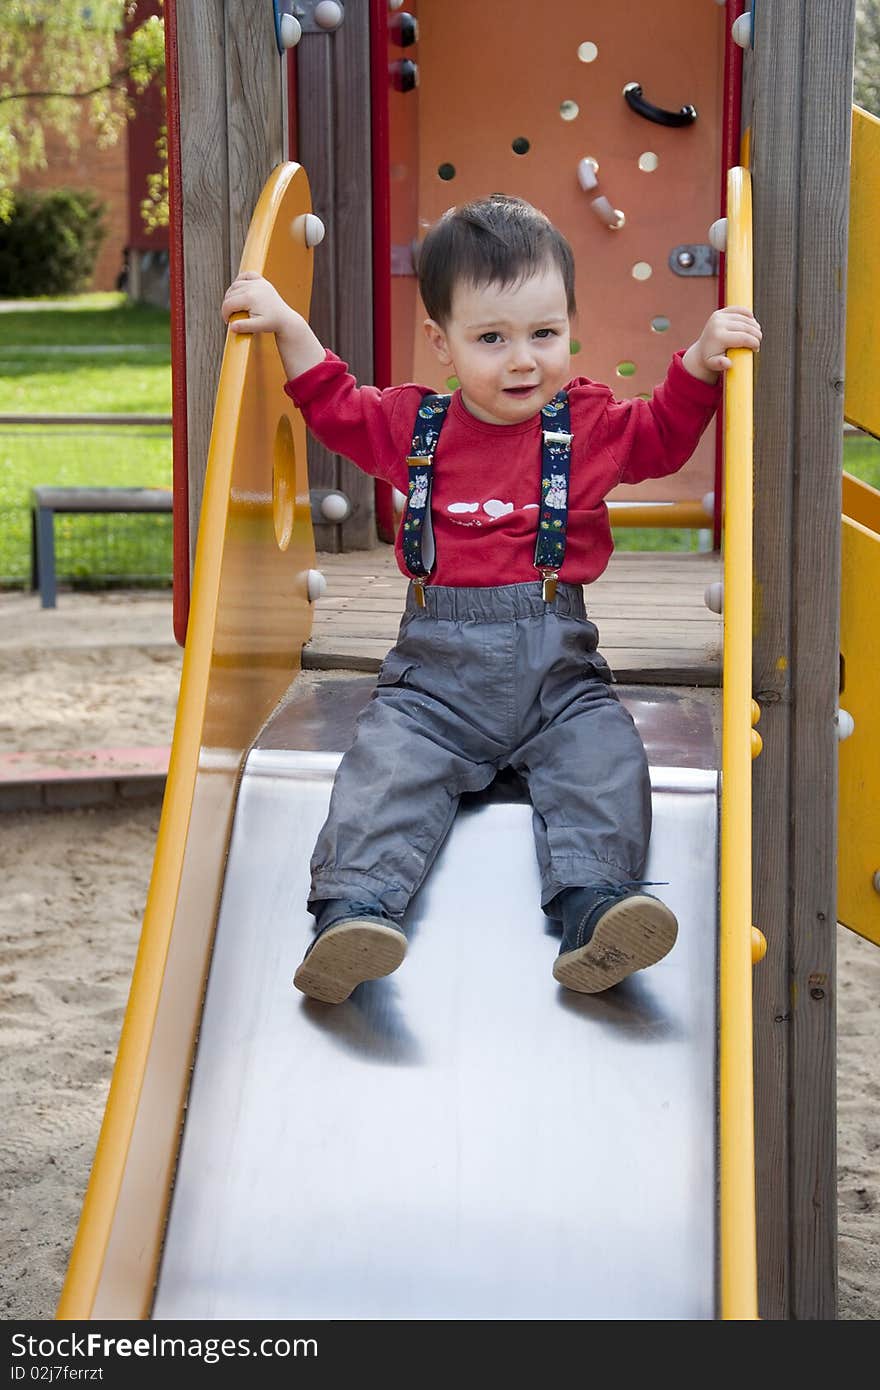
(291, 31)
(308, 228)
(845, 724)
(714, 596)
(741, 30)
(316, 585)
(335, 506)
(587, 171)
(329, 14)
(718, 234)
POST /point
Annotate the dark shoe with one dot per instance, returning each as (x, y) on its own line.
(609, 932)
(355, 942)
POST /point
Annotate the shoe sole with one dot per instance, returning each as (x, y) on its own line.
(345, 956)
(630, 936)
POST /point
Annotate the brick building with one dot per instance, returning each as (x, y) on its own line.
(118, 177)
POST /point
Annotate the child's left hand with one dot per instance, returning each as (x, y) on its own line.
(731, 327)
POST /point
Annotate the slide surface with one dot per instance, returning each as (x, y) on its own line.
(464, 1139)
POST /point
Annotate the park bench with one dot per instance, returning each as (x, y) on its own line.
(47, 501)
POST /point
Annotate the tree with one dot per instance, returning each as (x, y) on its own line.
(63, 57)
(866, 78)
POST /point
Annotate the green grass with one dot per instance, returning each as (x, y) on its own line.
(654, 538)
(861, 458)
(128, 383)
(85, 319)
(99, 549)
(138, 382)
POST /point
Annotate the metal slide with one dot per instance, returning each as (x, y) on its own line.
(464, 1139)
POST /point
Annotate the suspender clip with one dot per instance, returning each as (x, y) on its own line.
(548, 588)
(419, 592)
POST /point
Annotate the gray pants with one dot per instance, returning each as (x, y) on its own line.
(479, 680)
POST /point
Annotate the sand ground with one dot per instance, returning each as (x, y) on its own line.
(103, 670)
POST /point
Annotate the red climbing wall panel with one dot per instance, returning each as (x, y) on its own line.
(553, 76)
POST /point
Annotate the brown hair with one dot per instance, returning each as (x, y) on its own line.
(496, 240)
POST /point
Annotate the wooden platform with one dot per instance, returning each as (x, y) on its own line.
(654, 626)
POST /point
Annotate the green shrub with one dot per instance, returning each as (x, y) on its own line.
(51, 243)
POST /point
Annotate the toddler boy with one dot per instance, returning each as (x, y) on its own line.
(496, 664)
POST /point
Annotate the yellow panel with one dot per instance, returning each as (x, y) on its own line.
(858, 839)
(862, 399)
(861, 502)
(249, 618)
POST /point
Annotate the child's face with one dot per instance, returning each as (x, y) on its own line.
(508, 345)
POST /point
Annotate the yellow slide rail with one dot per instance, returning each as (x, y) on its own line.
(858, 830)
(738, 1256)
(249, 617)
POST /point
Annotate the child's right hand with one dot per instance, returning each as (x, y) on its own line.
(253, 295)
(267, 312)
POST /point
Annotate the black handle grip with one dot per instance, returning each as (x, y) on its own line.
(636, 102)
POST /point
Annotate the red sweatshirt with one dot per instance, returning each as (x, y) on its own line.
(487, 478)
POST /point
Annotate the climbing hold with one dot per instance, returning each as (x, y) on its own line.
(587, 171)
(291, 31)
(718, 234)
(714, 596)
(335, 506)
(613, 218)
(404, 75)
(756, 712)
(404, 29)
(329, 14)
(845, 724)
(757, 744)
(636, 101)
(759, 945)
(742, 31)
(308, 228)
(316, 585)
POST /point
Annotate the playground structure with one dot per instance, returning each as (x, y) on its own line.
(256, 539)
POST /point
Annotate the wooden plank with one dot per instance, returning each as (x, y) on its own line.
(799, 75)
(674, 608)
(254, 138)
(647, 633)
(776, 135)
(201, 53)
(317, 154)
(821, 306)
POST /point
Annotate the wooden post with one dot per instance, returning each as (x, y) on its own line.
(800, 83)
(229, 75)
(333, 116)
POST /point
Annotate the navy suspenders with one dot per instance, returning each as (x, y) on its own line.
(418, 536)
(555, 471)
(418, 533)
